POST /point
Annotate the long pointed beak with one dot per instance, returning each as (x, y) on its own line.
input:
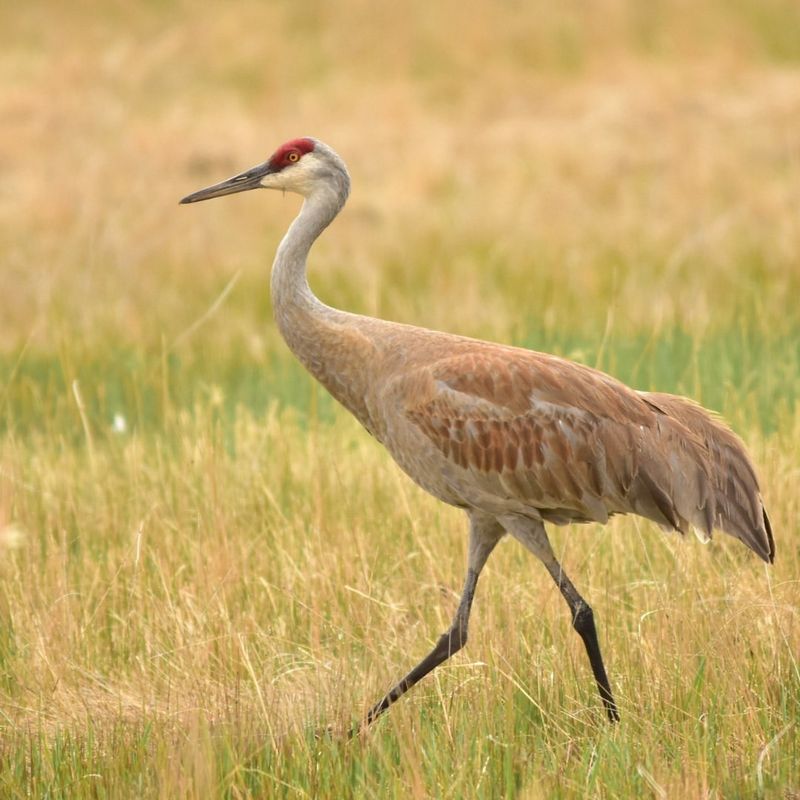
(251, 179)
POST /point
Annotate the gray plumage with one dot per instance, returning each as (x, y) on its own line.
(514, 437)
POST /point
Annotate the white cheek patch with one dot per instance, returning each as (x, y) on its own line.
(297, 177)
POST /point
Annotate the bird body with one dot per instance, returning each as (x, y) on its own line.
(514, 437)
(509, 430)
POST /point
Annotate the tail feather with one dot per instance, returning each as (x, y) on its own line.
(770, 538)
(734, 496)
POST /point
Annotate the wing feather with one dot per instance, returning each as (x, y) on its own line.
(733, 484)
(573, 444)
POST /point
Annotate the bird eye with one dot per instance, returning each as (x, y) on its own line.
(293, 156)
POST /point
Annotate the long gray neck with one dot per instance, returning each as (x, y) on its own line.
(291, 294)
(328, 342)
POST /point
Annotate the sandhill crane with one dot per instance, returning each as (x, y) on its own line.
(513, 437)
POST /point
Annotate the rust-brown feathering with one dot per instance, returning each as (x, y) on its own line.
(573, 444)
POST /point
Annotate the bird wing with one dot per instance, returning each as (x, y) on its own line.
(739, 508)
(566, 440)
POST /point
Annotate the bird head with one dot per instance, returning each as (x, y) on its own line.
(299, 165)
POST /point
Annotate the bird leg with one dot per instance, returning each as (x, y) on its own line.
(583, 622)
(485, 533)
(534, 537)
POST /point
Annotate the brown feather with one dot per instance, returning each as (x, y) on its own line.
(574, 444)
(733, 482)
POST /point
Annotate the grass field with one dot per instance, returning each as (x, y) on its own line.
(204, 561)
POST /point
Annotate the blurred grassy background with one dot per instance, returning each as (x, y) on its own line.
(196, 566)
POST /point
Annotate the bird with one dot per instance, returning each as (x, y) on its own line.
(513, 437)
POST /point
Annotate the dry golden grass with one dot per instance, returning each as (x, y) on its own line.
(478, 158)
(183, 602)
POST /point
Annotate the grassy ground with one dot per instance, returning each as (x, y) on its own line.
(203, 561)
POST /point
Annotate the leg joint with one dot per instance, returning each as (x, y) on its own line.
(454, 639)
(583, 618)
